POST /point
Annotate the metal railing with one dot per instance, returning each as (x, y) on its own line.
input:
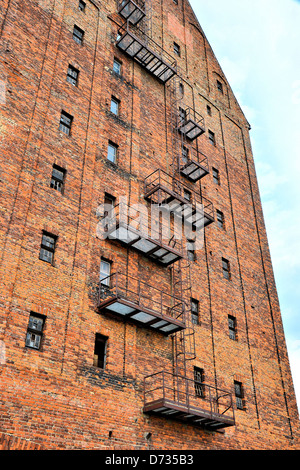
(151, 225)
(142, 294)
(131, 10)
(158, 185)
(189, 394)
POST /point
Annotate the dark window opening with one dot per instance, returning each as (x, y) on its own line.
(220, 219)
(78, 34)
(48, 247)
(199, 382)
(211, 137)
(100, 351)
(216, 176)
(176, 48)
(72, 75)
(35, 330)
(195, 311)
(105, 270)
(191, 250)
(185, 154)
(208, 109)
(226, 268)
(57, 179)
(65, 123)
(220, 86)
(239, 395)
(81, 5)
(232, 327)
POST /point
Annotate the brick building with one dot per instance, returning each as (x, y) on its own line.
(114, 336)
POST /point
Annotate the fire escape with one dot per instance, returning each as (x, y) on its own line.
(170, 394)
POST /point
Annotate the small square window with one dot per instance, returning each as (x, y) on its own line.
(57, 179)
(105, 271)
(176, 48)
(48, 247)
(212, 138)
(35, 331)
(219, 86)
(72, 75)
(100, 351)
(226, 268)
(114, 106)
(220, 219)
(216, 176)
(195, 311)
(239, 395)
(81, 5)
(112, 152)
(78, 34)
(232, 327)
(65, 123)
(117, 66)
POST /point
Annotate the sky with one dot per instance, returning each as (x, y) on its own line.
(257, 45)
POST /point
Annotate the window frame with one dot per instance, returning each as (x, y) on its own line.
(211, 137)
(57, 180)
(239, 395)
(46, 248)
(216, 176)
(78, 35)
(81, 6)
(116, 102)
(70, 75)
(232, 329)
(112, 145)
(195, 312)
(118, 63)
(226, 269)
(106, 276)
(34, 331)
(100, 339)
(176, 49)
(199, 384)
(65, 123)
(220, 219)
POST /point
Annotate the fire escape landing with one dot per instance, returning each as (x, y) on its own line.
(180, 398)
(133, 300)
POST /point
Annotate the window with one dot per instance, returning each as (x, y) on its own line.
(48, 247)
(109, 202)
(112, 152)
(232, 327)
(219, 86)
(211, 137)
(57, 179)
(72, 75)
(182, 114)
(78, 34)
(187, 195)
(239, 395)
(226, 268)
(191, 250)
(216, 176)
(81, 5)
(208, 109)
(65, 123)
(117, 66)
(198, 382)
(175, 1)
(181, 89)
(220, 219)
(105, 269)
(195, 311)
(35, 330)
(100, 351)
(114, 105)
(176, 48)
(185, 154)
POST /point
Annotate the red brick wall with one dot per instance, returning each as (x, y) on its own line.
(55, 397)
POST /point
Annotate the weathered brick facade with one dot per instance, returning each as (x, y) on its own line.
(54, 397)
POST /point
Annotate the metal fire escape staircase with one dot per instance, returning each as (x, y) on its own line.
(167, 394)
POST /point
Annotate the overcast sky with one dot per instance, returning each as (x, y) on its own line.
(257, 44)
